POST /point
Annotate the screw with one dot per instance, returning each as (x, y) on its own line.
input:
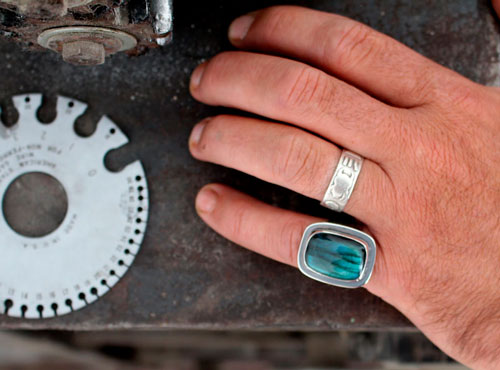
(76, 3)
(83, 53)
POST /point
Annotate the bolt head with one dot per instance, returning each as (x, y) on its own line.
(84, 53)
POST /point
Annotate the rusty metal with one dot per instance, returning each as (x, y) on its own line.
(76, 3)
(38, 8)
(161, 12)
(187, 276)
(86, 45)
(24, 21)
(43, 8)
(86, 53)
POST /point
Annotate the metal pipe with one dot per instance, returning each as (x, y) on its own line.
(162, 19)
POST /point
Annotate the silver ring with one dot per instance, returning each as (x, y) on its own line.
(337, 255)
(343, 181)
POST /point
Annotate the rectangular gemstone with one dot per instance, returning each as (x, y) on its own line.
(335, 256)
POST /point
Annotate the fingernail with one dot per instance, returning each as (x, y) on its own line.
(197, 75)
(240, 26)
(206, 200)
(195, 137)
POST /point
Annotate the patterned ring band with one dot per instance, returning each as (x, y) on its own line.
(343, 181)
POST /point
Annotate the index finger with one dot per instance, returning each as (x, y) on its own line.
(345, 48)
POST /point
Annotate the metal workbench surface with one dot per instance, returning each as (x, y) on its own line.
(185, 275)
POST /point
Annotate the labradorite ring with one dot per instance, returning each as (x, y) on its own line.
(343, 181)
(337, 255)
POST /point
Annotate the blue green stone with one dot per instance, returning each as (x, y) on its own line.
(335, 256)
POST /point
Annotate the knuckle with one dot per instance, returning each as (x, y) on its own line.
(237, 228)
(445, 191)
(421, 86)
(215, 67)
(465, 96)
(459, 93)
(356, 44)
(275, 20)
(492, 94)
(307, 89)
(437, 151)
(295, 161)
(433, 154)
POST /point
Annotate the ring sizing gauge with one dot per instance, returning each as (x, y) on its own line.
(105, 222)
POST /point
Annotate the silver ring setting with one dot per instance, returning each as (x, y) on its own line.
(343, 181)
(337, 255)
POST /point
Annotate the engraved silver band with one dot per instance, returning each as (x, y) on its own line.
(343, 181)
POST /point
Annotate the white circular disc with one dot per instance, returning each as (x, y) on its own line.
(104, 226)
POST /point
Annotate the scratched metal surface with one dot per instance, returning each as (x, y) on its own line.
(186, 276)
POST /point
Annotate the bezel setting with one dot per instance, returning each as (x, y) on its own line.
(361, 237)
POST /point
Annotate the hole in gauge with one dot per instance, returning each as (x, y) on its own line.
(54, 307)
(8, 305)
(86, 124)
(69, 303)
(27, 99)
(39, 308)
(104, 282)
(71, 104)
(35, 204)
(81, 296)
(112, 131)
(138, 178)
(9, 114)
(47, 112)
(117, 159)
(24, 308)
(93, 291)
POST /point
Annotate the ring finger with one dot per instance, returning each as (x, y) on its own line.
(289, 157)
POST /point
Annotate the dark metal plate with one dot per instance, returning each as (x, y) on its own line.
(186, 276)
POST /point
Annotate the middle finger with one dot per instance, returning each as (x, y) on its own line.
(294, 92)
(289, 157)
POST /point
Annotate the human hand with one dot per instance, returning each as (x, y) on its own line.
(429, 191)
